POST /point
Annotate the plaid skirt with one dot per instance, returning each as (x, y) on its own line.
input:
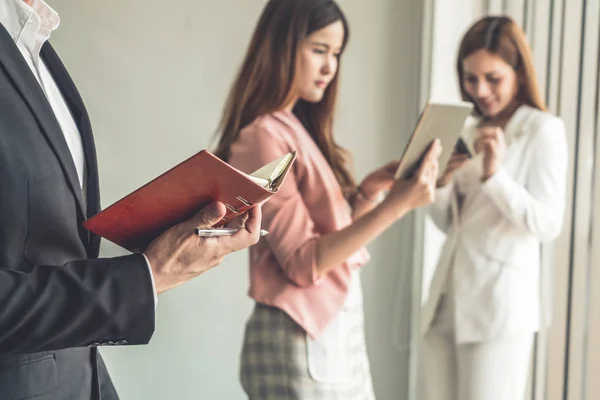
(281, 362)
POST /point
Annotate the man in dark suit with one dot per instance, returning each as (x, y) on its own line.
(58, 301)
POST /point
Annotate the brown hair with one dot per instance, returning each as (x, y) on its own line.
(264, 81)
(502, 36)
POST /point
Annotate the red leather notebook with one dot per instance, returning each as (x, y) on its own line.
(135, 220)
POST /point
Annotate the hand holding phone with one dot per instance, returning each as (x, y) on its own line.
(462, 148)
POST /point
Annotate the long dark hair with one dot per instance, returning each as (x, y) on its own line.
(264, 81)
(502, 36)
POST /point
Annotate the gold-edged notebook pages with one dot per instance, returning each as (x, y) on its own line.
(270, 176)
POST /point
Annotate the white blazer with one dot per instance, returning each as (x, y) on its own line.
(492, 248)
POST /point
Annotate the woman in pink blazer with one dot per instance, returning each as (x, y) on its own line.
(305, 338)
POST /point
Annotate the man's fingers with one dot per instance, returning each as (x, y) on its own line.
(254, 219)
(239, 222)
(249, 234)
(209, 215)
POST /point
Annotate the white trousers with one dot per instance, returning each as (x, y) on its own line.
(495, 370)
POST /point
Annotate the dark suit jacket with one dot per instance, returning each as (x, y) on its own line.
(58, 301)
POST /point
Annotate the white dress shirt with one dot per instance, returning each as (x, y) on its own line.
(30, 26)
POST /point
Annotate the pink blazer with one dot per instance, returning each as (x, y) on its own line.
(310, 203)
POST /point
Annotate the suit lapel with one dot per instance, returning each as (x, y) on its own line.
(19, 72)
(79, 113)
(81, 118)
(515, 129)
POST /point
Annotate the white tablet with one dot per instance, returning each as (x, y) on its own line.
(442, 121)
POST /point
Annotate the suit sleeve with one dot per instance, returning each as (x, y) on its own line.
(539, 206)
(82, 303)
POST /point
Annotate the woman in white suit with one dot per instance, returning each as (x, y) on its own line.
(496, 207)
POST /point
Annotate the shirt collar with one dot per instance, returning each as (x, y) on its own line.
(29, 26)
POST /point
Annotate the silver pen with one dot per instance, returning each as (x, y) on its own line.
(214, 232)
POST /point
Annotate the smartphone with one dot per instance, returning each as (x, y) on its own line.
(462, 148)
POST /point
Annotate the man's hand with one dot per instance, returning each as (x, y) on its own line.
(178, 255)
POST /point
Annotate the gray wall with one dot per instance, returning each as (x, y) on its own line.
(154, 78)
